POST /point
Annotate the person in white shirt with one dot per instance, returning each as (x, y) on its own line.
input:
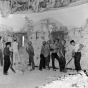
(1, 50)
(16, 57)
(76, 53)
(11, 53)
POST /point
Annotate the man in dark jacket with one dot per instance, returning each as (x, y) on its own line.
(62, 60)
(42, 58)
(6, 58)
(30, 51)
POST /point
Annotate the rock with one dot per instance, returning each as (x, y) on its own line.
(51, 4)
(79, 80)
(74, 0)
(57, 4)
(65, 2)
(19, 72)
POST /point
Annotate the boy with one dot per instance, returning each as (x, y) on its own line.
(6, 58)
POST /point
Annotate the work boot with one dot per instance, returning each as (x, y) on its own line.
(54, 69)
(47, 68)
(40, 69)
(64, 71)
(29, 64)
(5, 73)
(32, 69)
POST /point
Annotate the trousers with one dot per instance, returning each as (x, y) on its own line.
(6, 63)
(42, 62)
(16, 57)
(62, 63)
(47, 61)
(77, 59)
(54, 55)
(32, 61)
(29, 60)
(1, 58)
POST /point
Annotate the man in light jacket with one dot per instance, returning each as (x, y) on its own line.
(16, 57)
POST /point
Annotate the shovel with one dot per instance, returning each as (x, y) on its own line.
(69, 61)
(12, 68)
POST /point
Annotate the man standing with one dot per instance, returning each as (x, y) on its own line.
(47, 55)
(30, 51)
(29, 64)
(76, 53)
(11, 53)
(1, 49)
(16, 57)
(6, 58)
(54, 55)
(48, 45)
(42, 58)
(62, 60)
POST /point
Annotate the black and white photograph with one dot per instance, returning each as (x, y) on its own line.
(43, 43)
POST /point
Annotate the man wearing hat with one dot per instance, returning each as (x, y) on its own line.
(16, 57)
(6, 58)
(30, 51)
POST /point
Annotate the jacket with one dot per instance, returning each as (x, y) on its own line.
(30, 50)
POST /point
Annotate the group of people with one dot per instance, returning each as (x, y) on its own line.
(55, 49)
(50, 50)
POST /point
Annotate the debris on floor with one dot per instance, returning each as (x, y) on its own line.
(79, 80)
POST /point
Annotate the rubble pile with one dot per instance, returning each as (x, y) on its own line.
(80, 35)
(79, 80)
